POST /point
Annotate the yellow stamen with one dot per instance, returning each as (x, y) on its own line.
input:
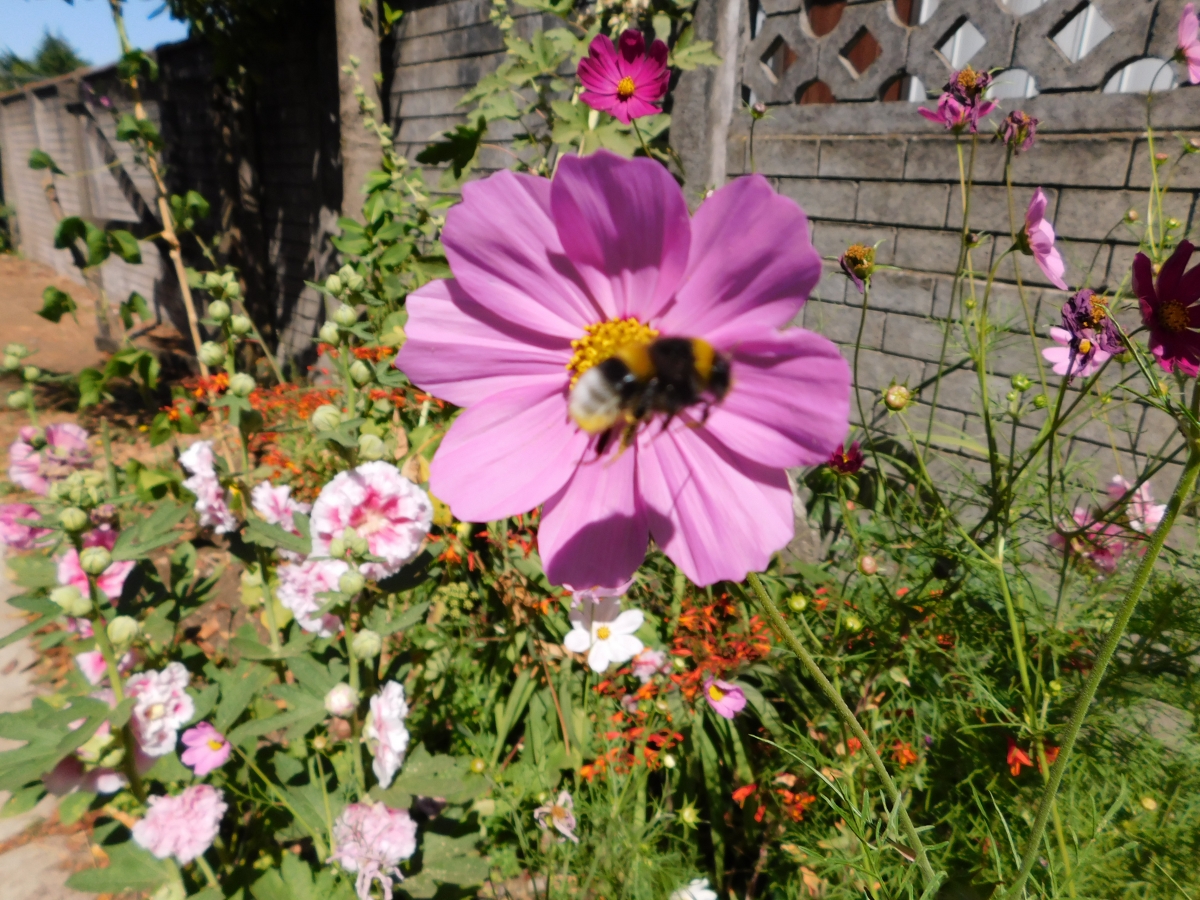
(603, 633)
(625, 88)
(967, 80)
(604, 339)
(715, 692)
(1173, 316)
(215, 745)
(1085, 346)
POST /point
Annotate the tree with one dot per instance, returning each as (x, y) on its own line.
(358, 62)
(53, 56)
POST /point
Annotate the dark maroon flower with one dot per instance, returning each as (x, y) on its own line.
(1170, 310)
(846, 460)
(1018, 131)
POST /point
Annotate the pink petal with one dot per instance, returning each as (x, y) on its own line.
(715, 516)
(790, 401)
(507, 454)
(1037, 209)
(637, 107)
(593, 531)
(624, 224)
(604, 102)
(1045, 254)
(599, 70)
(751, 265)
(505, 253)
(461, 351)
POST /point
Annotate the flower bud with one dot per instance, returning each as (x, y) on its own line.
(241, 384)
(18, 399)
(94, 560)
(212, 353)
(478, 765)
(370, 447)
(1041, 401)
(329, 333)
(867, 565)
(360, 372)
(1055, 687)
(367, 644)
(10, 362)
(668, 761)
(341, 700)
(73, 519)
(17, 350)
(1172, 223)
(797, 603)
(351, 583)
(897, 397)
(345, 315)
(326, 418)
(71, 599)
(337, 548)
(218, 310)
(689, 815)
(333, 284)
(853, 623)
(1149, 804)
(122, 629)
(1012, 396)
(1020, 383)
(355, 541)
(31, 373)
(339, 729)
(381, 407)
(233, 288)
(1132, 215)
(240, 325)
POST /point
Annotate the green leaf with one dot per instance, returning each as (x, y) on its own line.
(459, 148)
(428, 775)
(91, 387)
(72, 807)
(197, 205)
(125, 245)
(238, 687)
(453, 860)
(130, 868)
(56, 304)
(267, 535)
(307, 712)
(23, 800)
(97, 244)
(34, 570)
(688, 53)
(40, 159)
(135, 305)
(153, 532)
(68, 231)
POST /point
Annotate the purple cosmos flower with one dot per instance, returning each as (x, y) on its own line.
(560, 814)
(1188, 51)
(212, 504)
(962, 102)
(1037, 240)
(625, 81)
(1087, 339)
(858, 262)
(372, 840)
(207, 749)
(110, 581)
(550, 277)
(37, 459)
(183, 826)
(727, 700)
(14, 532)
(1018, 130)
(1169, 309)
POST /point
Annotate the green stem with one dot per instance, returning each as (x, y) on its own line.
(110, 468)
(1183, 490)
(356, 762)
(318, 844)
(638, 131)
(100, 629)
(268, 602)
(209, 875)
(931, 878)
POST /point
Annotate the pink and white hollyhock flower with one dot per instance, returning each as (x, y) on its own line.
(553, 274)
(183, 826)
(35, 468)
(1144, 513)
(1038, 240)
(91, 663)
(386, 736)
(624, 80)
(604, 633)
(372, 840)
(648, 663)
(726, 699)
(212, 503)
(110, 581)
(14, 532)
(1188, 51)
(207, 749)
(299, 585)
(383, 506)
(277, 507)
(163, 707)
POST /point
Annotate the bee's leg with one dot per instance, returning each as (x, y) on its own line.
(602, 442)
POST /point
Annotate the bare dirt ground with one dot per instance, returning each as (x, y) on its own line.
(65, 347)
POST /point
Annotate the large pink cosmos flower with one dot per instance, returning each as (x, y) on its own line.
(111, 581)
(626, 81)
(37, 459)
(372, 840)
(1170, 309)
(1037, 240)
(551, 273)
(183, 826)
(14, 532)
(383, 506)
(1189, 42)
(1098, 542)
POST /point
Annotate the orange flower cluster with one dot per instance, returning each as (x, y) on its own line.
(718, 642)
(367, 354)
(794, 802)
(201, 387)
(634, 747)
(179, 407)
(903, 754)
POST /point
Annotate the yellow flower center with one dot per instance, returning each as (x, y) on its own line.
(968, 80)
(603, 633)
(715, 692)
(156, 711)
(214, 744)
(1173, 316)
(625, 88)
(861, 259)
(602, 340)
(1085, 346)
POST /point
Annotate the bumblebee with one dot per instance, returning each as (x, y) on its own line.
(642, 380)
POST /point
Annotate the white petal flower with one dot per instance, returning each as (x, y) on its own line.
(386, 736)
(696, 889)
(604, 633)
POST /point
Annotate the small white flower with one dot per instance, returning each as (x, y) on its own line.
(604, 633)
(696, 889)
(386, 736)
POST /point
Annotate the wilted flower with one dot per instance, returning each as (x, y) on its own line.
(162, 708)
(382, 506)
(1087, 339)
(696, 889)
(372, 840)
(560, 814)
(207, 749)
(37, 459)
(846, 460)
(727, 700)
(183, 826)
(604, 633)
(547, 277)
(386, 736)
(1144, 513)
(625, 80)
(15, 533)
(1188, 51)
(212, 507)
(594, 594)
(858, 262)
(112, 579)
(1018, 130)
(647, 663)
(299, 586)
(1170, 310)
(962, 102)
(1037, 240)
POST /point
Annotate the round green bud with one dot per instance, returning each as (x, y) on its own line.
(333, 284)
(17, 350)
(341, 700)
(853, 623)
(337, 548)
(867, 565)
(233, 288)
(241, 384)
(218, 310)
(122, 629)
(73, 518)
(240, 325)
(381, 407)
(360, 372)
(1173, 223)
(689, 815)
(31, 373)
(797, 603)
(94, 560)
(345, 315)
(18, 399)
(355, 541)
(212, 353)
(1012, 396)
(370, 447)
(1020, 383)
(367, 644)
(351, 583)
(326, 417)
(11, 362)
(479, 765)
(1041, 401)
(71, 599)
(329, 333)
(897, 397)
(1055, 687)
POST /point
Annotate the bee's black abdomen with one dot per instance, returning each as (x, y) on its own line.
(675, 373)
(619, 375)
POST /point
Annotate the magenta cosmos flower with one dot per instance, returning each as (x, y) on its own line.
(1144, 514)
(1037, 240)
(550, 279)
(183, 826)
(207, 749)
(625, 81)
(1189, 42)
(1170, 310)
(372, 840)
(962, 102)
(727, 700)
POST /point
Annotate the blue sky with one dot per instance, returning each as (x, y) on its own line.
(87, 25)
